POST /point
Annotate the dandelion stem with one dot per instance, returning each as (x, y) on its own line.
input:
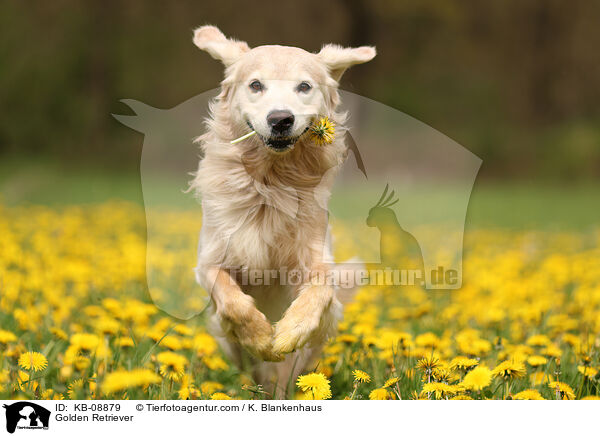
(580, 389)
(241, 138)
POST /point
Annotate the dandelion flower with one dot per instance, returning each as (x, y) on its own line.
(23, 381)
(215, 363)
(210, 387)
(441, 390)
(171, 342)
(462, 362)
(49, 394)
(552, 351)
(107, 326)
(204, 344)
(33, 360)
(538, 341)
(509, 369)
(571, 339)
(427, 340)
(587, 371)
(536, 361)
(347, 339)
(563, 390)
(379, 394)
(121, 380)
(183, 330)
(444, 375)
(528, 394)
(59, 333)
(75, 388)
(125, 342)
(187, 390)
(220, 396)
(315, 386)
(461, 397)
(428, 364)
(390, 382)
(85, 341)
(6, 337)
(81, 363)
(322, 131)
(480, 347)
(361, 376)
(172, 365)
(418, 396)
(478, 378)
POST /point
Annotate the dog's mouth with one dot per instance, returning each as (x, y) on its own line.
(279, 143)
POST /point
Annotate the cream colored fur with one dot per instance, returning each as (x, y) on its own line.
(263, 209)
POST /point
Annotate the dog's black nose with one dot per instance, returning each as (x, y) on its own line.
(280, 121)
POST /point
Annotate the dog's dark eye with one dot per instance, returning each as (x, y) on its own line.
(304, 87)
(256, 86)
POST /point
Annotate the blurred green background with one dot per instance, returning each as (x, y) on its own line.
(517, 83)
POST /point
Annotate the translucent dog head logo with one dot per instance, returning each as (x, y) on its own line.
(398, 201)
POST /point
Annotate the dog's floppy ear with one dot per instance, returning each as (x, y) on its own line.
(212, 40)
(338, 59)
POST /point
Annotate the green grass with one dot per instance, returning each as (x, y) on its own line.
(506, 204)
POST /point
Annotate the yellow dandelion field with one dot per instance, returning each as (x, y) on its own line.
(77, 320)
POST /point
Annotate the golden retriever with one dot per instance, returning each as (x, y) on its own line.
(261, 211)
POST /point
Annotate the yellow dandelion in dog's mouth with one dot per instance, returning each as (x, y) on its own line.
(33, 360)
(322, 131)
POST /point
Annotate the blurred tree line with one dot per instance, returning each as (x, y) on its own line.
(516, 82)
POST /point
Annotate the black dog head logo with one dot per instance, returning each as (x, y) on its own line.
(26, 415)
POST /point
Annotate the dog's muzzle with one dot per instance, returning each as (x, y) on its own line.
(278, 142)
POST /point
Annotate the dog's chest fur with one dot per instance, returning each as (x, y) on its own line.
(266, 215)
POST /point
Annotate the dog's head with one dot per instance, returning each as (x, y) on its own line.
(275, 90)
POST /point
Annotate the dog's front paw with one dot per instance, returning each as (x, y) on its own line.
(300, 323)
(249, 327)
(256, 337)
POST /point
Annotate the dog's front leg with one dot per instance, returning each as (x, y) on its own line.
(239, 317)
(312, 316)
